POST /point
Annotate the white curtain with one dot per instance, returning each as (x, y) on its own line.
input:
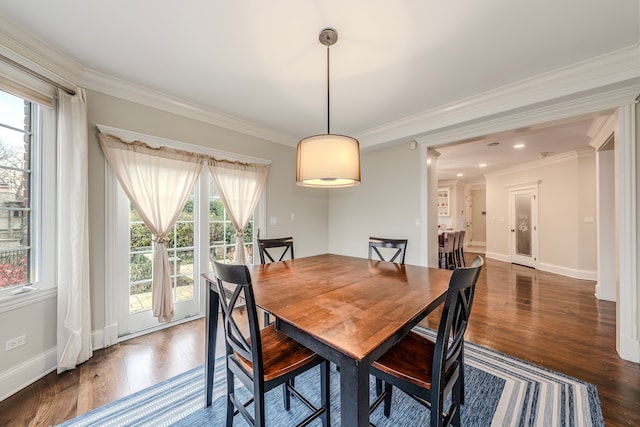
(158, 182)
(74, 305)
(240, 186)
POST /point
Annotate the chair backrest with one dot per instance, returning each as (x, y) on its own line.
(268, 249)
(398, 248)
(461, 238)
(234, 289)
(449, 237)
(454, 320)
(456, 240)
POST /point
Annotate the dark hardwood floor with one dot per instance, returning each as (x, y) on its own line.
(539, 317)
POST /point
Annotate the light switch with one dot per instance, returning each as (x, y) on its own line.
(588, 219)
(273, 220)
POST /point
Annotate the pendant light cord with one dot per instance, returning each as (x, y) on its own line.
(328, 101)
(328, 97)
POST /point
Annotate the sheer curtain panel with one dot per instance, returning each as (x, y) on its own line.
(158, 182)
(240, 186)
(74, 306)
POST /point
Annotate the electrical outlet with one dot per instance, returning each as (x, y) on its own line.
(15, 342)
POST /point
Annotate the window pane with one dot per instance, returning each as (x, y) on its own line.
(180, 260)
(140, 237)
(12, 110)
(183, 268)
(14, 152)
(222, 235)
(14, 267)
(184, 234)
(15, 191)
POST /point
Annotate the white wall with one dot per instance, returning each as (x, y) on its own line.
(566, 195)
(385, 204)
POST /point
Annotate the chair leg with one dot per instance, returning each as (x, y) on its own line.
(437, 405)
(462, 376)
(267, 320)
(325, 392)
(388, 388)
(286, 395)
(456, 402)
(230, 395)
(451, 265)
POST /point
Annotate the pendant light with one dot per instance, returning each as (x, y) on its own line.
(329, 160)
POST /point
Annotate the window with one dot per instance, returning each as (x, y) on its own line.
(15, 191)
(203, 232)
(27, 188)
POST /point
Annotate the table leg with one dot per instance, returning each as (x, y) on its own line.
(354, 394)
(211, 334)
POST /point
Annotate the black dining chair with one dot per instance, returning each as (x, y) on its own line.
(261, 359)
(396, 252)
(430, 371)
(270, 249)
(448, 250)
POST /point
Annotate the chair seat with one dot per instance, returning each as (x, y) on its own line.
(410, 360)
(280, 354)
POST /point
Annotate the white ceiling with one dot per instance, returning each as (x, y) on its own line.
(261, 62)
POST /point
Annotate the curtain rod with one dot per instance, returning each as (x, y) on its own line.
(36, 74)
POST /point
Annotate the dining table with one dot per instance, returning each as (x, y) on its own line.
(347, 309)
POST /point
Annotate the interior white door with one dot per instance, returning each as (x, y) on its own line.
(524, 226)
(469, 221)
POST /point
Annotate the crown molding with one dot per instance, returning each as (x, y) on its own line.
(99, 82)
(597, 84)
(37, 55)
(601, 130)
(556, 158)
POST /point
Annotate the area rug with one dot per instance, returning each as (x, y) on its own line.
(500, 391)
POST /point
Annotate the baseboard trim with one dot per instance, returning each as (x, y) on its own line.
(569, 272)
(629, 348)
(602, 296)
(551, 268)
(497, 256)
(18, 377)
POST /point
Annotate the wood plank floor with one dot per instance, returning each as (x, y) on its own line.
(543, 318)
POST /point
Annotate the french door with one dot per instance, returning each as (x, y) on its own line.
(523, 224)
(135, 308)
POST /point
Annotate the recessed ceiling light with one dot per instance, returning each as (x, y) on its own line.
(482, 165)
(460, 174)
(518, 146)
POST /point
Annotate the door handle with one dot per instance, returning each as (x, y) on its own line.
(513, 231)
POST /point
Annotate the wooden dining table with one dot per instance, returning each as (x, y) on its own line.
(348, 310)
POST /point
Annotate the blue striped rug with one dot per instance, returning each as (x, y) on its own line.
(500, 391)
